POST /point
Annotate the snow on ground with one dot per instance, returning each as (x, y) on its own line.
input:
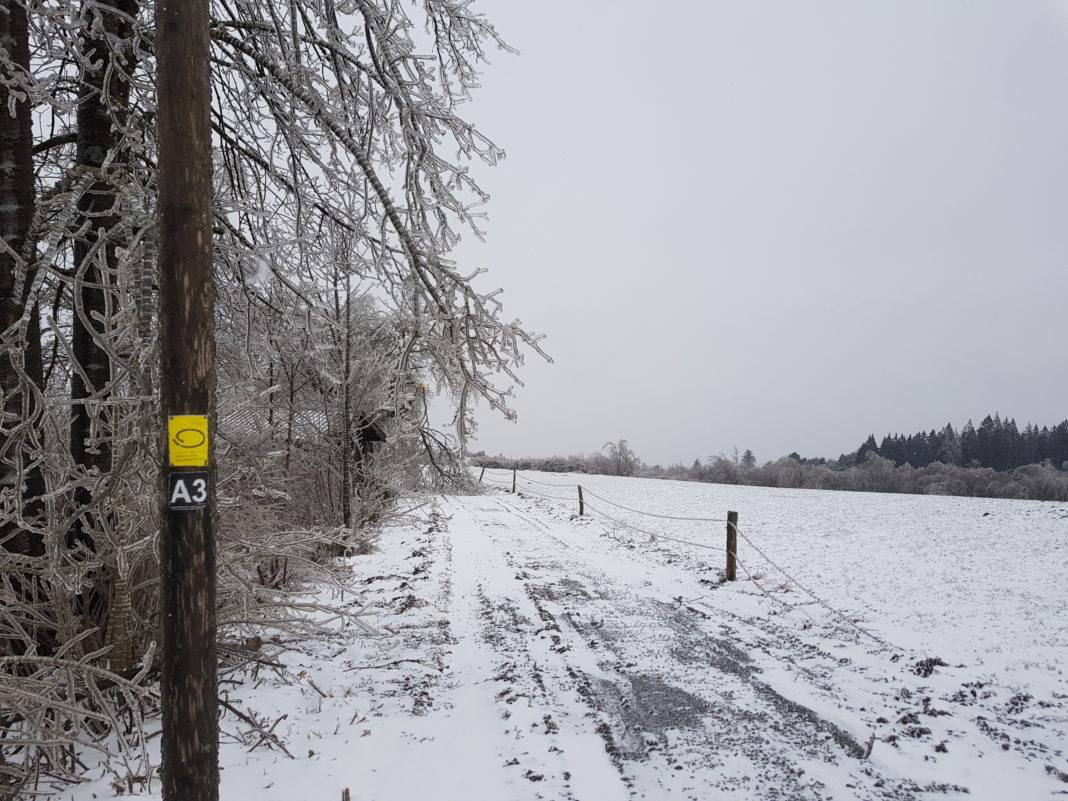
(532, 654)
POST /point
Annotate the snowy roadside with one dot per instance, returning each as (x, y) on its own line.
(329, 713)
(529, 654)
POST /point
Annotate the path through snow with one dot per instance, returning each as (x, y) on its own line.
(534, 655)
(599, 669)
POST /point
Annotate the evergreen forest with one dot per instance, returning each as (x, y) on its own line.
(996, 443)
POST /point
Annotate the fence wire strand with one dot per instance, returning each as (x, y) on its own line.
(587, 491)
(657, 535)
(767, 593)
(547, 495)
(649, 514)
(840, 615)
(544, 483)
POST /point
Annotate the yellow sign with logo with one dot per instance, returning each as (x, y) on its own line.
(187, 440)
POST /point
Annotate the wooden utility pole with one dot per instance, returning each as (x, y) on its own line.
(190, 746)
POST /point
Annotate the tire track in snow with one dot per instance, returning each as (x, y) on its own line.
(504, 651)
(629, 655)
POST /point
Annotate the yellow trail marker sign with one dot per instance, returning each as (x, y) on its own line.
(187, 440)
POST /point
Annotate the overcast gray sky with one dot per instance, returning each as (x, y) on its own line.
(777, 225)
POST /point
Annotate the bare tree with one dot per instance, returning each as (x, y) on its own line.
(622, 459)
(342, 184)
(382, 111)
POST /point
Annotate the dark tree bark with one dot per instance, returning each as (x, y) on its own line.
(104, 96)
(190, 745)
(16, 216)
(20, 474)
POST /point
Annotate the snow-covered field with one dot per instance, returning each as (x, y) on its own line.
(969, 579)
(532, 654)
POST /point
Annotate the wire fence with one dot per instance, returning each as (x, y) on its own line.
(514, 479)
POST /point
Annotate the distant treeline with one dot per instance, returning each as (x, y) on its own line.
(994, 461)
(997, 443)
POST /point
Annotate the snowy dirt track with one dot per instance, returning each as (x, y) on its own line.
(533, 654)
(583, 662)
(635, 692)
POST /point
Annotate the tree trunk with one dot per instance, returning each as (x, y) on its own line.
(291, 413)
(19, 476)
(21, 481)
(104, 96)
(348, 433)
(270, 395)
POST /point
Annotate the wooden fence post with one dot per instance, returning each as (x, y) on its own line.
(582, 503)
(732, 546)
(481, 474)
(513, 481)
